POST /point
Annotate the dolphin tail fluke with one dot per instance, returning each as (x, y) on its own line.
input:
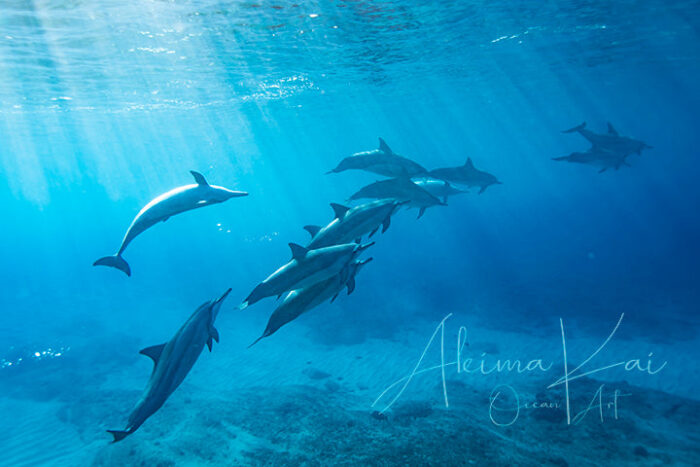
(118, 435)
(576, 128)
(115, 261)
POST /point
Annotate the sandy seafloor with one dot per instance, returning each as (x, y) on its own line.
(269, 406)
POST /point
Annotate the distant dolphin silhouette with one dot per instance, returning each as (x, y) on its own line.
(382, 161)
(172, 362)
(596, 157)
(610, 141)
(181, 199)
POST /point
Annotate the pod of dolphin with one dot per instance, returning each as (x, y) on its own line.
(329, 263)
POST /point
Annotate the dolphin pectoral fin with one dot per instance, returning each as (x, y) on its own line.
(421, 212)
(351, 285)
(611, 130)
(115, 261)
(165, 219)
(339, 210)
(199, 178)
(312, 229)
(298, 251)
(214, 333)
(576, 128)
(119, 435)
(209, 344)
(444, 199)
(153, 352)
(373, 232)
(483, 188)
(386, 223)
(334, 297)
(384, 147)
(602, 170)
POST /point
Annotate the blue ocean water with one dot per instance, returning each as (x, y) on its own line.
(106, 105)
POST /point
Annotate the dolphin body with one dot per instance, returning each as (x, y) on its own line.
(403, 190)
(438, 188)
(172, 362)
(467, 175)
(350, 224)
(610, 141)
(181, 199)
(382, 161)
(307, 267)
(597, 158)
(300, 301)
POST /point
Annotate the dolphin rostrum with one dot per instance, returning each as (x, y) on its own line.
(181, 199)
(596, 157)
(172, 362)
(401, 189)
(382, 161)
(438, 188)
(351, 224)
(467, 175)
(306, 267)
(300, 301)
(610, 141)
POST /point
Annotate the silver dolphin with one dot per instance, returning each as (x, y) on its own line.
(180, 199)
(467, 175)
(350, 224)
(401, 189)
(597, 158)
(300, 301)
(306, 267)
(382, 161)
(610, 141)
(172, 362)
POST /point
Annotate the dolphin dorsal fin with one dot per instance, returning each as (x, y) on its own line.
(384, 147)
(612, 130)
(469, 163)
(312, 229)
(153, 352)
(298, 251)
(199, 178)
(339, 210)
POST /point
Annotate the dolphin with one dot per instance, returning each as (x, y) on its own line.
(306, 267)
(597, 158)
(172, 362)
(300, 301)
(350, 224)
(181, 199)
(467, 175)
(401, 189)
(610, 141)
(438, 188)
(382, 161)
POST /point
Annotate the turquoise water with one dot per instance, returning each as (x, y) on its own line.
(106, 105)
